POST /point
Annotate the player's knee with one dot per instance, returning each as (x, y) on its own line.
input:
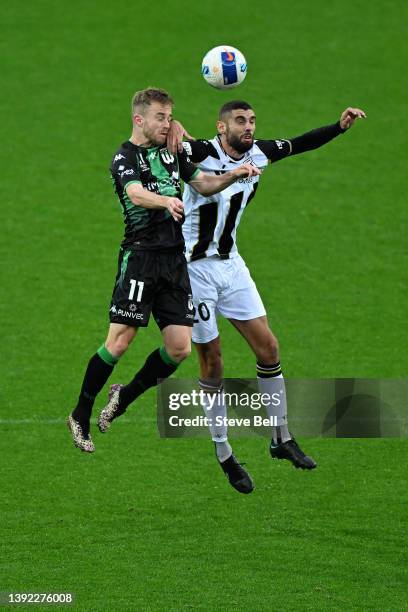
(118, 346)
(179, 351)
(268, 352)
(184, 352)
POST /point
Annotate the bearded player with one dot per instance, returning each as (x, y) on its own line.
(221, 282)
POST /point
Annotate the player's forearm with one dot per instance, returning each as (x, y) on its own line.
(208, 184)
(139, 196)
(315, 138)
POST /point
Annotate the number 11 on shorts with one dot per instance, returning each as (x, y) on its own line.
(140, 285)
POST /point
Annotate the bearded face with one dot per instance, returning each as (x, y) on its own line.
(237, 129)
(241, 142)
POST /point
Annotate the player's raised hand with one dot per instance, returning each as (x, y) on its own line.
(246, 170)
(175, 208)
(349, 116)
(175, 137)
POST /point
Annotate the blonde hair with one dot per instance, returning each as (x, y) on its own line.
(142, 99)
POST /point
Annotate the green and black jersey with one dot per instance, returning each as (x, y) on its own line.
(157, 170)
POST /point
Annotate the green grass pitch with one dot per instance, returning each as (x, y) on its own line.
(149, 524)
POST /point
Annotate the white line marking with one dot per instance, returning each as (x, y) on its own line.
(40, 421)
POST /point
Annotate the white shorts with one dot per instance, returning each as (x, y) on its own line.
(225, 287)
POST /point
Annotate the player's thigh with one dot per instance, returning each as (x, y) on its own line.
(205, 299)
(241, 300)
(173, 300)
(134, 290)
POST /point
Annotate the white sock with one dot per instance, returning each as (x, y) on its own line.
(276, 409)
(281, 432)
(213, 408)
(223, 450)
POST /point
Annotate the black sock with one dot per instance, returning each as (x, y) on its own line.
(99, 369)
(157, 365)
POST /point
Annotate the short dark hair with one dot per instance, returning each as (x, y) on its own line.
(145, 97)
(233, 105)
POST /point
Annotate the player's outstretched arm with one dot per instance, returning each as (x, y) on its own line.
(321, 136)
(208, 184)
(175, 136)
(139, 196)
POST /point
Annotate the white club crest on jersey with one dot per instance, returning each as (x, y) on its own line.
(167, 157)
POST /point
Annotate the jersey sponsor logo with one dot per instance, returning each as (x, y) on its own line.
(118, 157)
(247, 180)
(167, 181)
(126, 314)
(127, 172)
(152, 186)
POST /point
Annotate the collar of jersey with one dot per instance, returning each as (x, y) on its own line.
(144, 148)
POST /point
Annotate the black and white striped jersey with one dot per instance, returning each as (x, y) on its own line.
(211, 223)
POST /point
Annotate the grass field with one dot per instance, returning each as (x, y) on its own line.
(151, 524)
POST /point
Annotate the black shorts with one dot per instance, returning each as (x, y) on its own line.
(151, 281)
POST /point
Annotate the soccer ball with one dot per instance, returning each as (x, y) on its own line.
(224, 67)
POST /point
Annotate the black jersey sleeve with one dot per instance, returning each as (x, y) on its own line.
(274, 150)
(315, 138)
(186, 167)
(125, 170)
(198, 150)
(278, 149)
